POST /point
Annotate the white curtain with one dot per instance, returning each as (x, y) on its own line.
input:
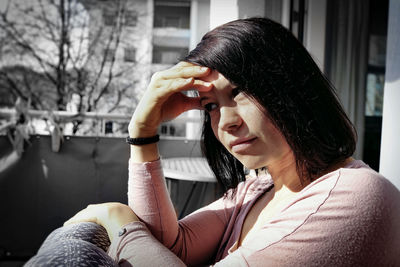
(347, 58)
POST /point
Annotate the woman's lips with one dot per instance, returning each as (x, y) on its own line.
(241, 144)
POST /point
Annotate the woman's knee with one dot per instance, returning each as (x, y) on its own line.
(71, 252)
(86, 231)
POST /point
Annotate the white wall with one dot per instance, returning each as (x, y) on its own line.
(251, 8)
(315, 32)
(222, 11)
(199, 20)
(390, 144)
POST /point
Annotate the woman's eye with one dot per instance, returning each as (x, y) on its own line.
(210, 106)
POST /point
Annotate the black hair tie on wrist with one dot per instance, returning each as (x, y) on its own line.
(143, 140)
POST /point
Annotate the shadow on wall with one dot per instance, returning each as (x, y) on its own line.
(43, 189)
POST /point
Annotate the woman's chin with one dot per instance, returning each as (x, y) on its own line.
(252, 164)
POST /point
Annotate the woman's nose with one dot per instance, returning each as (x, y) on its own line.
(229, 119)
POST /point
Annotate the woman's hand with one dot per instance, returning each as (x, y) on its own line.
(164, 100)
(112, 216)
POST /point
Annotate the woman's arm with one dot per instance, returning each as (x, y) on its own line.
(147, 192)
(163, 100)
(136, 246)
(195, 238)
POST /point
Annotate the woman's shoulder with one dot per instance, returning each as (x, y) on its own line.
(354, 190)
(367, 205)
(354, 195)
(365, 184)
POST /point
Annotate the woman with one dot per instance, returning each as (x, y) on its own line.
(267, 107)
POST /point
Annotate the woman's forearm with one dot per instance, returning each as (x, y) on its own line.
(144, 153)
(137, 247)
(149, 199)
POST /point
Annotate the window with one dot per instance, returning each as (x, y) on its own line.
(168, 55)
(375, 75)
(109, 17)
(172, 14)
(109, 54)
(376, 57)
(164, 129)
(173, 129)
(297, 21)
(172, 22)
(375, 80)
(108, 127)
(131, 18)
(374, 94)
(168, 130)
(129, 54)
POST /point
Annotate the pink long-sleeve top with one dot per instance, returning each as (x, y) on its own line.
(349, 217)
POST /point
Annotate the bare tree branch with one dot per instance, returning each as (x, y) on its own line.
(110, 70)
(20, 41)
(116, 30)
(48, 23)
(70, 49)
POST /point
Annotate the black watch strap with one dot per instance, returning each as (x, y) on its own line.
(143, 140)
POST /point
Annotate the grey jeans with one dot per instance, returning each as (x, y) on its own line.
(82, 244)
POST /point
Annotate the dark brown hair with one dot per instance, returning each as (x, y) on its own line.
(270, 65)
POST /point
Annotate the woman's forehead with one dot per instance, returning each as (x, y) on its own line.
(218, 80)
(213, 76)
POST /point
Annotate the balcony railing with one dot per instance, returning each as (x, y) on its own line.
(7, 118)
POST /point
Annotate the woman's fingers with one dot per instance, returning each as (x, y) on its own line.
(183, 70)
(202, 86)
(181, 77)
(172, 85)
(82, 216)
(181, 84)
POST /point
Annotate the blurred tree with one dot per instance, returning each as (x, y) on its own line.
(51, 50)
(25, 83)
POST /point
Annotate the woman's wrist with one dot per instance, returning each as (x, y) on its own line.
(139, 131)
(147, 152)
(144, 153)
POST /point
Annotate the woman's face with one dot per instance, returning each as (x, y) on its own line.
(240, 125)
